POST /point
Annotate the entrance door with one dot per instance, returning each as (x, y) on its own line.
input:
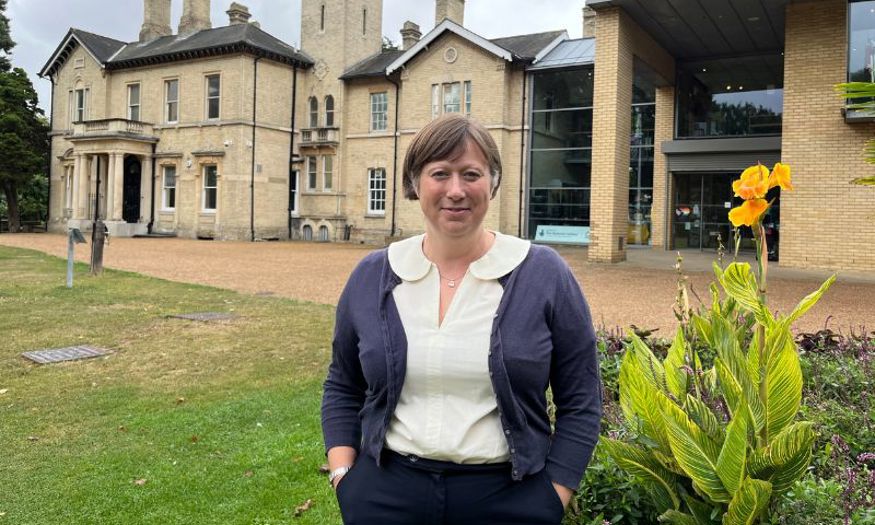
(293, 194)
(133, 179)
(701, 213)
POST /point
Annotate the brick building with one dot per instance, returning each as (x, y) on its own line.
(627, 137)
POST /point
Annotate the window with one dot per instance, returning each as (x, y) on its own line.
(311, 173)
(364, 21)
(861, 47)
(327, 169)
(451, 98)
(322, 18)
(329, 111)
(134, 102)
(168, 198)
(293, 194)
(171, 100)
(377, 191)
(314, 112)
(323, 233)
(468, 98)
(211, 181)
(447, 98)
(379, 111)
(308, 231)
(435, 101)
(213, 96)
(79, 98)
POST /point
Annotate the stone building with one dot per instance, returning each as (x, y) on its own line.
(625, 138)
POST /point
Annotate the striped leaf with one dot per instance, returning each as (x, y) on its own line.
(674, 517)
(733, 456)
(790, 454)
(705, 513)
(703, 329)
(649, 364)
(783, 389)
(739, 283)
(748, 503)
(695, 452)
(639, 399)
(659, 482)
(704, 418)
(676, 378)
(810, 300)
(737, 375)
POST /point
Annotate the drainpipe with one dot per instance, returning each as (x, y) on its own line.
(292, 145)
(252, 177)
(152, 204)
(395, 159)
(522, 158)
(49, 160)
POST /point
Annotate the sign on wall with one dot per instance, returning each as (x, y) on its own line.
(562, 234)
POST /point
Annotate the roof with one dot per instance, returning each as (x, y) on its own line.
(237, 38)
(527, 47)
(373, 66)
(577, 52)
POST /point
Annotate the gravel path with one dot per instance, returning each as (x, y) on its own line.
(640, 291)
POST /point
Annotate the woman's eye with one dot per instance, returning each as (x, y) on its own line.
(472, 176)
(439, 174)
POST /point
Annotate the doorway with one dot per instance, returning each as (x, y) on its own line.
(131, 193)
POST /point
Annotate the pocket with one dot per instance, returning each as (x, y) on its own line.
(553, 495)
(344, 481)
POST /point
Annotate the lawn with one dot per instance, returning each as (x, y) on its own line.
(183, 422)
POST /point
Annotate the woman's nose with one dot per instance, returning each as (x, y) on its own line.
(455, 188)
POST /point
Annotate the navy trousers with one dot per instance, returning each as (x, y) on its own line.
(407, 490)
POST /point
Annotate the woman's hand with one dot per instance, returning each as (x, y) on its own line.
(564, 493)
(340, 457)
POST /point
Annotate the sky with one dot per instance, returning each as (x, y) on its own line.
(39, 25)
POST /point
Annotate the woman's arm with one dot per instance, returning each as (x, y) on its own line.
(339, 457)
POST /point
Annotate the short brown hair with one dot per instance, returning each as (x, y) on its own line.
(446, 138)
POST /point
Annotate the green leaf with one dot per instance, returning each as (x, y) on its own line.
(703, 329)
(649, 364)
(639, 399)
(659, 482)
(748, 503)
(739, 283)
(809, 300)
(790, 454)
(677, 518)
(701, 510)
(733, 456)
(739, 374)
(704, 418)
(695, 452)
(867, 181)
(675, 377)
(783, 389)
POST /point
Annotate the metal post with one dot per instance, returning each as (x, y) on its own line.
(70, 259)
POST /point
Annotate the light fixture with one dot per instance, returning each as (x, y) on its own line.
(704, 70)
(741, 88)
(728, 88)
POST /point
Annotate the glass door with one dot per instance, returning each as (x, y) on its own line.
(700, 218)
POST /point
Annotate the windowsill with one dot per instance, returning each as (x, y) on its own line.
(854, 116)
(167, 210)
(375, 215)
(209, 213)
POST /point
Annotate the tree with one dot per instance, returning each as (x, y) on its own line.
(23, 130)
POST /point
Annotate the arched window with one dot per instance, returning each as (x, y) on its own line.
(308, 232)
(323, 233)
(314, 112)
(329, 111)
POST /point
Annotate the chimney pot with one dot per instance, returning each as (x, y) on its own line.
(238, 14)
(410, 35)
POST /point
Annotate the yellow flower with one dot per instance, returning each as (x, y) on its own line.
(780, 177)
(753, 184)
(748, 213)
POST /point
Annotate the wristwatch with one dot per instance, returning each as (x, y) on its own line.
(336, 473)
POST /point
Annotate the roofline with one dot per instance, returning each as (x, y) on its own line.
(225, 49)
(551, 46)
(63, 45)
(448, 25)
(598, 4)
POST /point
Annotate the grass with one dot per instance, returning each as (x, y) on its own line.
(220, 419)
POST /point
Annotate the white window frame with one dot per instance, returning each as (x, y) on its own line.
(329, 111)
(171, 103)
(312, 174)
(313, 112)
(466, 93)
(134, 105)
(80, 104)
(168, 191)
(435, 101)
(327, 173)
(440, 104)
(448, 103)
(296, 192)
(376, 203)
(205, 188)
(380, 111)
(208, 97)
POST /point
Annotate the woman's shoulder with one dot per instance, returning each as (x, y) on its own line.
(545, 257)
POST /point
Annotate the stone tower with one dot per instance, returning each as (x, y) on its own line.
(195, 16)
(451, 9)
(340, 33)
(156, 20)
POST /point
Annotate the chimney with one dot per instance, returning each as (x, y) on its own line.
(588, 22)
(452, 9)
(409, 35)
(195, 17)
(238, 14)
(156, 20)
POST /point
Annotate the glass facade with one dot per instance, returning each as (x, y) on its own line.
(730, 97)
(641, 161)
(861, 47)
(560, 163)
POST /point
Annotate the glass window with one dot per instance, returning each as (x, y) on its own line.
(311, 173)
(171, 98)
(376, 191)
(314, 112)
(452, 100)
(211, 183)
(468, 98)
(327, 172)
(379, 111)
(730, 97)
(562, 129)
(435, 101)
(213, 96)
(861, 48)
(642, 135)
(571, 88)
(329, 111)
(168, 199)
(79, 108)
(133, 101)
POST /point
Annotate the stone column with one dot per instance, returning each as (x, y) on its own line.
(118, 181)
(84, 185)
(146, 188)
(612, 121)
(663, 191)
(110, 185)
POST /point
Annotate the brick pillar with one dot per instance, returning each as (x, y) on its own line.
(612, 121)
(663, 191)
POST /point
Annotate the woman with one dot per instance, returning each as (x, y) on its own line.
(435, 409)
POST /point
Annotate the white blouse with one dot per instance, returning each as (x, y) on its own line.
(447, 410)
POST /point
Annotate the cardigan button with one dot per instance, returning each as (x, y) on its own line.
(507, 431)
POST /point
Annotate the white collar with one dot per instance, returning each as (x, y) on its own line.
(507, 252)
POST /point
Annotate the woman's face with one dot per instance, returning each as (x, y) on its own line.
(455, 193)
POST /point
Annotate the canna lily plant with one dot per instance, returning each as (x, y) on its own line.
(715, 433)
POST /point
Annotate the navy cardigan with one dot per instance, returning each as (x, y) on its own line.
(542, 334)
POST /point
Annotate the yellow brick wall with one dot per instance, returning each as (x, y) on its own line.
(826, 222)
(662, 183)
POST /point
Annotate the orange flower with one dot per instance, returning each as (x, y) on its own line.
(780, 177)
(753, 184)
(748, 213)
